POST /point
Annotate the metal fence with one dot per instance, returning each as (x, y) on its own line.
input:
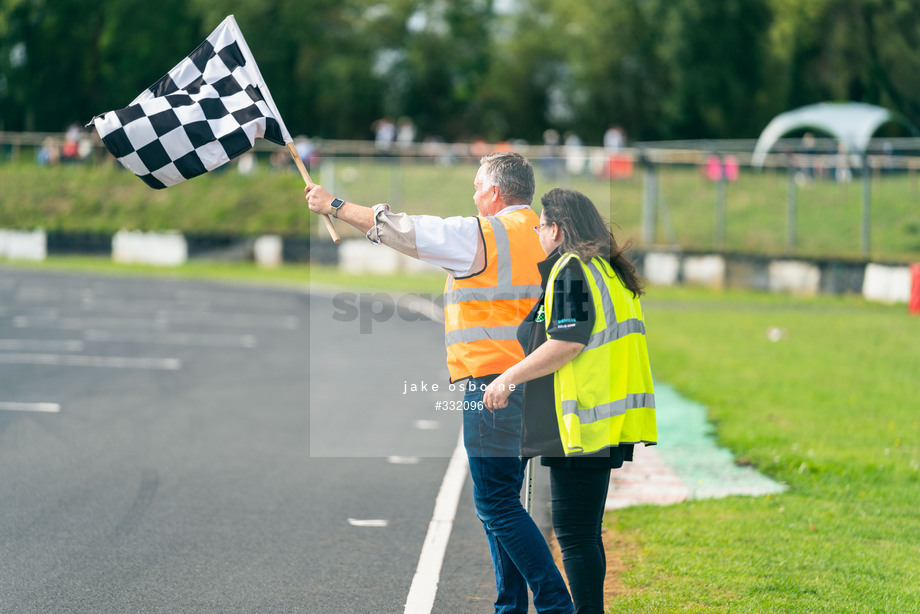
(808, 197)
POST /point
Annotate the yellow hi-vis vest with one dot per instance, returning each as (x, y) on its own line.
(482, 311)
(604, 396)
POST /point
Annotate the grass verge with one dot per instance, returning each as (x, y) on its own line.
(830, 410)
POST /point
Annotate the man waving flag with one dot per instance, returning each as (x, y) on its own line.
(206, 111)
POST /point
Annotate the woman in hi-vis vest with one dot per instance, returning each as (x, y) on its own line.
(590, 396)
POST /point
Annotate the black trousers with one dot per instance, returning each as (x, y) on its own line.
(578, 498)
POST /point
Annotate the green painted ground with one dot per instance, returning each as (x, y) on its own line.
(688, 445)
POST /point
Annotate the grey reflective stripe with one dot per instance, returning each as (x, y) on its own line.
(450, 284)
(502, 251)
(615, 330)
(481, 333)
(504, 291)
(492, 294)
(608, 410)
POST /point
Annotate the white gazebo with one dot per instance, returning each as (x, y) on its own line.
(851, 123)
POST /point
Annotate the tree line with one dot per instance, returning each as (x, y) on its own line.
(465, 69)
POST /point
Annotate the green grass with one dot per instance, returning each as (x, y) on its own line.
(105, 199)
(831, 411)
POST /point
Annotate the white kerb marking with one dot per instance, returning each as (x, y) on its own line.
(428, 572)
(51, 408)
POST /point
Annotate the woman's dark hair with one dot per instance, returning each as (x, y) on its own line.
(586, 233)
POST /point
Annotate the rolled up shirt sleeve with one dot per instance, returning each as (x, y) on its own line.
(454, 243)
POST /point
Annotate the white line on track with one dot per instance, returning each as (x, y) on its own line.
(193, 339)
(42, 345)
(427, 575)
(403, 460)
(43, 293)
(216, 318)
(375, 522)
(39, 407)
(238, 298)
(124, 306)
(79, 323)
(160, 320)
(105, 362)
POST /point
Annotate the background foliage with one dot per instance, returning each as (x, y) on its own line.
(497, 69)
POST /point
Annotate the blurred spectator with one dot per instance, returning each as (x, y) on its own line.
(479, 147)
(305, 149)
(574, 154)
(74, 132)
(718, 168)
(436, 150)
(730, 168)
(70, 150)
(550, 160)
(842, 172)
(614, 139)
(85, 147)
(384, 134)
(280, 160)
(405, 134)
(247, 164)
(806, 170)
(713, 168)
(49, 153)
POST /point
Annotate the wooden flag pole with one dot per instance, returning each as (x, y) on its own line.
(308, 181)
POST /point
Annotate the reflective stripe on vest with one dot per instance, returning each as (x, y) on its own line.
(614, 330)
(605, 396)
(482, 312)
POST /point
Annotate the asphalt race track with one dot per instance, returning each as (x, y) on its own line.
(175, 446)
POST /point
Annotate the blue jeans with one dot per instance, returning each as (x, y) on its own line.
(520, 556)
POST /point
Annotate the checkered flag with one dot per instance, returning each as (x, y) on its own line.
(206, 111)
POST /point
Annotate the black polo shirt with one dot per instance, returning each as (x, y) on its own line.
(572, 320)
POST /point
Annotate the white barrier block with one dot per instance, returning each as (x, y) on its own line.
(661, 269)
(362, 256)
(887, 284)
(706, 271)
(794, 276)
(156, 248)
(267, 251)
(21, 245)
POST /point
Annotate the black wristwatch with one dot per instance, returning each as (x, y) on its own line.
(336, 204)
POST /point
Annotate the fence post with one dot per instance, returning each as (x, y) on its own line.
(791, 211)
(649, 199)
(719, 238)
(867, 196)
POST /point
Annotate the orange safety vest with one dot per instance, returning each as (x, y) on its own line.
(482, 311)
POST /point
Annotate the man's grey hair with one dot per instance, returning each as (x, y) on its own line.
(513, 175)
